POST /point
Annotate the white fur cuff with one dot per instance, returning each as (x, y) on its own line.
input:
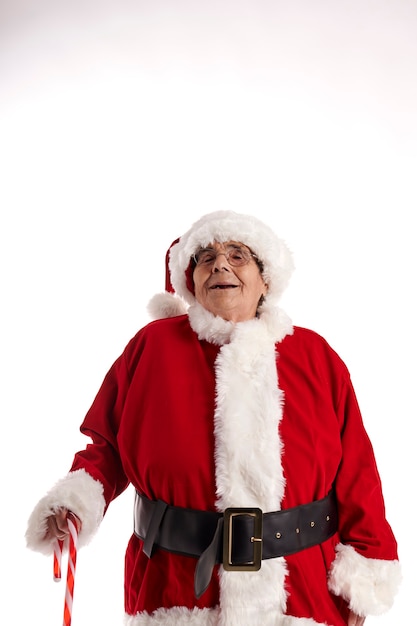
(368, 585)
(78, 492)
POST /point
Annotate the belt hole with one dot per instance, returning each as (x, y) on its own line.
(297, 530)
(312, 524)
(278, 535)
(327, 518)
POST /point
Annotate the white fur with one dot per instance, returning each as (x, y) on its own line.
(368, 585)
(78, 492)
(180, 616)
(176, 616)
(209, 327)
(216, 330)
(248, 464)
(163, 305)
(248, 411)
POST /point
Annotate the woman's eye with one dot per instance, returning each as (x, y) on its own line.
(207, 257)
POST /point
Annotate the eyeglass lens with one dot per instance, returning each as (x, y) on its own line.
(235, 256)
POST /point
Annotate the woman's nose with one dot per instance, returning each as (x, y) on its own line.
(220, 262)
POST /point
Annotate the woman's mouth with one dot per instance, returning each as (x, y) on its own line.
(223, 286)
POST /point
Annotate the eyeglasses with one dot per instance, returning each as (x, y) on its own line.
(235, 256)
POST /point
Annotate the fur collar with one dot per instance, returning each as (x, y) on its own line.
(273, 322)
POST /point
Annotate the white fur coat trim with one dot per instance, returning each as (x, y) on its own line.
(248, 464)
(368, 585)
(77, 492)
(179, 616)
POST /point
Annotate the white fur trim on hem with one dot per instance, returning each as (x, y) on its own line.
(176, 616)
(181, 616)
(368, 585)
(78, 492)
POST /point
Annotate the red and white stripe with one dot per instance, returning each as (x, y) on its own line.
(72, 560)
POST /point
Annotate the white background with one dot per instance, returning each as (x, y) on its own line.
(121, 123)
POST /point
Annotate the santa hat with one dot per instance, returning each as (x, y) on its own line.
(272, 252)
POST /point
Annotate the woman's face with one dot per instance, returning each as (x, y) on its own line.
(224, 288)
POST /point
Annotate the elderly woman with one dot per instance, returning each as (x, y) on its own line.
(258, 501)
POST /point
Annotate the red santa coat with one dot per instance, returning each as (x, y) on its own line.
(208, 414)
(205, 414)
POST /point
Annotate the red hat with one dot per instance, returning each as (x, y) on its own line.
(188, 272)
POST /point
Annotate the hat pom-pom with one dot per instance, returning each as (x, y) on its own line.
(166, 304)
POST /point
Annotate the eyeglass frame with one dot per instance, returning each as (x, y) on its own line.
(247, 254)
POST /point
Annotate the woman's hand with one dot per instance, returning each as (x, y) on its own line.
(58, 525)
(355, 620)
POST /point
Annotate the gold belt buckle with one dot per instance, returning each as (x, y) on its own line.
(256, 540)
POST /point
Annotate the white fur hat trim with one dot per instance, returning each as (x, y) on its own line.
(230, 226)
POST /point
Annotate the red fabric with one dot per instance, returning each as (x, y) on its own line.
(168, 284)
(152, 425)
(189, 272)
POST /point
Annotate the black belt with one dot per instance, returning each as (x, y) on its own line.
(239, 538)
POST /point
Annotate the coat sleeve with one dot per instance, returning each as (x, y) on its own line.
(96, 476)
(101, 458)
(366, 570)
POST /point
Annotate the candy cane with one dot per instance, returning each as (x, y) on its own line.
(58, 547)
(72, 560)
